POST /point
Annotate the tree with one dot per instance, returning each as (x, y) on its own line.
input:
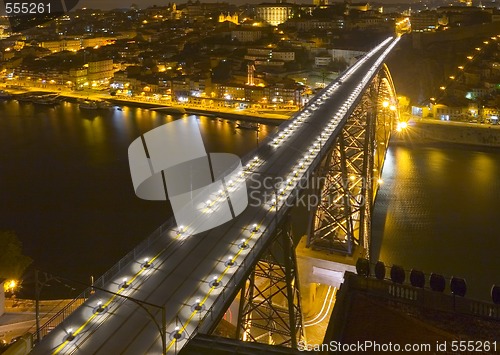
(12, 261)
(222, 72)
(338, 64)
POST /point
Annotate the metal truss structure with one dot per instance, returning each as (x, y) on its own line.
(269, 299)
(350, 172)
(270, 306)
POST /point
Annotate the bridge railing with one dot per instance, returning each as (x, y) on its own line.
(227, 293)
(101, 282)
(423, 297)
(61, 315)
(134, 253)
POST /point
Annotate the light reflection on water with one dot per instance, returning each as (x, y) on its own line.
(65, 183)
(438, 211)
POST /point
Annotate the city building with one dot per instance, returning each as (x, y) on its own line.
(451, 111)
(246, 35)
(315, 24)
(269, 54)
(371, 22)
(278, 94)
(275, 14)
(458, 16)
(229, 18)
(285, 93)
(63, 45)
(322, 61)
(361, 6)
(424, 21)
(77, 78)
(76, 44)
(347, 55)
(286, 56)
(491, 114)
(100, 72)
(4, 33)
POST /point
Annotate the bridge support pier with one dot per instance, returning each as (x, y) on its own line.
(270, 306)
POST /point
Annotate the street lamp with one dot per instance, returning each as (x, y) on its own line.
(401, 126)
(10, 286)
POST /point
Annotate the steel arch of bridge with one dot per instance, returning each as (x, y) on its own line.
(350, 172)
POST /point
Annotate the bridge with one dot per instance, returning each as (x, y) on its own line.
(175, 285)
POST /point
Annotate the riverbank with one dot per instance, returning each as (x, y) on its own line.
(429, 131)
(243, 115)
(250, 115)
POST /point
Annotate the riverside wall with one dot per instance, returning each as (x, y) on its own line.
(454, 132)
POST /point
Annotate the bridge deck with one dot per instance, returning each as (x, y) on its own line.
(183, 266)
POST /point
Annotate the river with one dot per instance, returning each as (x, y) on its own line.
(438, 211)
(65, 183)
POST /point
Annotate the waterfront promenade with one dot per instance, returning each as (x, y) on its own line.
(268, 116)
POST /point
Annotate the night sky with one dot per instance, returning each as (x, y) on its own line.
(114, 4)
(111, 4)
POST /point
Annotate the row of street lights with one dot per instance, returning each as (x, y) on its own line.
(470, 58)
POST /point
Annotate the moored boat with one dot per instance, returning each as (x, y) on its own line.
(104, 105)
(46, 101)
(24, 98)
(4, 95)
(88, 105)
(250, 126)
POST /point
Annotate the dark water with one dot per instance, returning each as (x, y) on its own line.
(438, 210)
(65, 185)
